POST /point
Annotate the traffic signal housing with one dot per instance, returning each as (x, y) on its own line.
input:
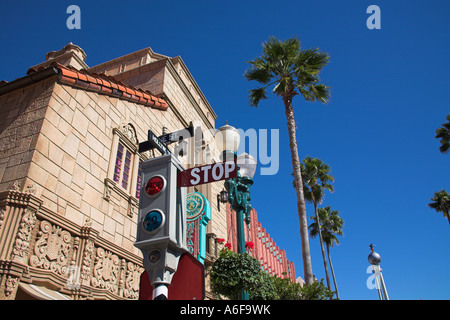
(161, 229)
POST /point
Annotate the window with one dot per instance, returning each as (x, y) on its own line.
(124, 176)
(122, 169)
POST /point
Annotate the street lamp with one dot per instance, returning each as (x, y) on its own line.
(375, 259)
(227, 140)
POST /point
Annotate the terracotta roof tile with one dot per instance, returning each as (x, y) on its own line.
(68, 80)
(104, 84)
(82, 77)
(95, 87)
(68, 73)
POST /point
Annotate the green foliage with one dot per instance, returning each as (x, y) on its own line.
(443, 133)
(441, 203)
(331, 225)
(286, 290)
(265, 288)
(290, 70)
(233, 272)
(316, 291)
(316, 179)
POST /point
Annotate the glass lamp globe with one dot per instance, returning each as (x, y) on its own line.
(247, 165)
(227, 140)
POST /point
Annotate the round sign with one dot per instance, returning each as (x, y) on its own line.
(152, 220)
(194, 205)
(155, 185)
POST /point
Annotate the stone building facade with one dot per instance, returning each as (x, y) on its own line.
(69, 169)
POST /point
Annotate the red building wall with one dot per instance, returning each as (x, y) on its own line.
(273, 259)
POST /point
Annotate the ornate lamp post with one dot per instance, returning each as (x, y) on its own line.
(375, 259)
(227, 139)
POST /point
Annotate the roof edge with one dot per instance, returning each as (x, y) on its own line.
(28, 79)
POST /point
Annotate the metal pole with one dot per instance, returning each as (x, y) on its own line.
(383, 286)
(241, 244)
(160, 292)
(240, 231)
(376, 271)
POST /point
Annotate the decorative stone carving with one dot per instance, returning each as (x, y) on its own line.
(10, 284)
(15, 186)
(133, 206)
(51, 251)
(31, 189)
(109, 186)
(2, 215)
(87, 261)
(132, 281)
(106, 270)
(129, 132)
(22, 242)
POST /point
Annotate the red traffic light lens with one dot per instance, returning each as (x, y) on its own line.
(154, 185)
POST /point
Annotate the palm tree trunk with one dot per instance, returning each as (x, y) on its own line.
(321, 243)
(301, 207)
(332, 271)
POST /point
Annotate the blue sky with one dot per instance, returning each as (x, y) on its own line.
(389, 94)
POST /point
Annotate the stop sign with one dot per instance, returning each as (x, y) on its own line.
(207, 173)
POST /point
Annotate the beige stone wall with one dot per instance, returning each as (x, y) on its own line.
(22, 113)
(62, 141)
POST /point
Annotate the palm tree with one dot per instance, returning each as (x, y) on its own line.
(316, 179)
(441, 203)
(292, 71)
(331, 225)
(443, 133)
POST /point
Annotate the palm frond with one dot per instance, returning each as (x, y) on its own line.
(320, 92)
(281, 55)
(283, 85)
(443, 133)
(306, 94)
(259, 71)
(256, 95)
(441, 202)
(311, 60)
(331, 225)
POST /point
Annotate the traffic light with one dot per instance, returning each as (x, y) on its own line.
(161, 229)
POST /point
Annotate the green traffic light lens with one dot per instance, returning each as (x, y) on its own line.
(152, 220)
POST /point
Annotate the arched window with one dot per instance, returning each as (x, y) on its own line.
(123, 173)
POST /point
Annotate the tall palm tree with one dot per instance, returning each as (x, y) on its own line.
(331, 225)
(441, 203)
(316, 179)
(291, 71)
(443, 133)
